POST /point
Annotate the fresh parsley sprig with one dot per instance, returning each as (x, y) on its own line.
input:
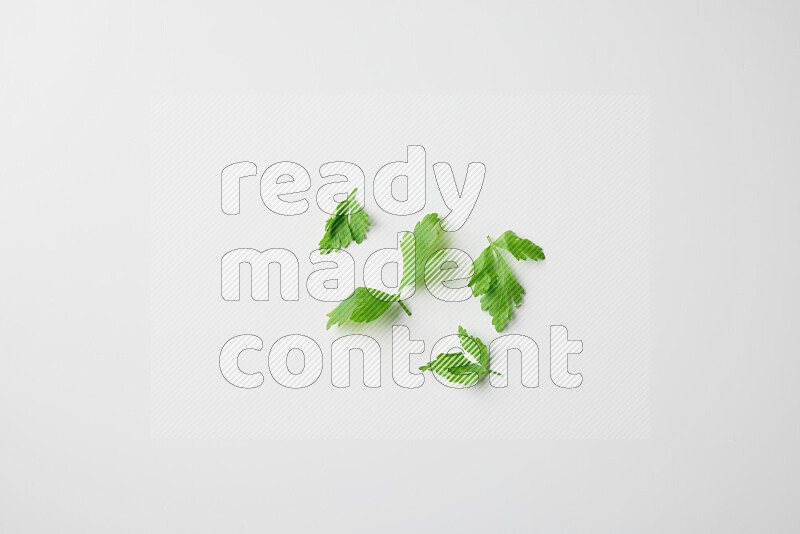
(456, 367)
(417, 249)
(493, 281)
(362, 306)
(349, 222)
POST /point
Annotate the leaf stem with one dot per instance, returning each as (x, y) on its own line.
(408, 312)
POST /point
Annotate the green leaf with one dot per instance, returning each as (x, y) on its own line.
(482, 269)
(522, 249)
(442, 364)
(456, 367)
(349, 222)
(466, 369)
(362, 306)
(417, 249)
(503, 295)
(474, 346)
(493, 281)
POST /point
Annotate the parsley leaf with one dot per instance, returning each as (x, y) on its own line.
(362, 306)
(349, 222)
(456, 367)
(417, 249)
(474, 346)
(493, 280)
(522, 249)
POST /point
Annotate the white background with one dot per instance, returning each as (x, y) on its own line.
(570, 173)
(75, 85)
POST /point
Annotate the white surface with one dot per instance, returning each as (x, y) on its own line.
(570, 173)
(76, 81)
